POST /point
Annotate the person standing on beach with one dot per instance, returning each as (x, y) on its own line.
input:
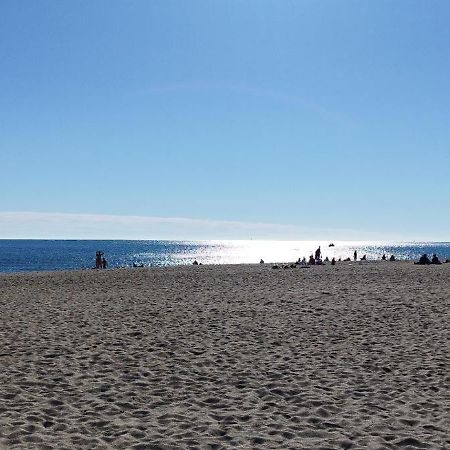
(98, 259)
(318, 253)
(104, 263)
(355, 255)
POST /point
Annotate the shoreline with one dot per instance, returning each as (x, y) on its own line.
(266, 264)
(80, 255)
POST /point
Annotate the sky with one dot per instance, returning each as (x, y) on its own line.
(225, 119)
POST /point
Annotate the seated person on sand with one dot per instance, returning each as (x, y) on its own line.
(423, 260)
(312, 261)
(333, 262)
(364, 258)
(435, 259)
(347, 259)
(195, 263)
(261, 261)
(383, 258)
(326, 259)
(392, 258)
(303, 261)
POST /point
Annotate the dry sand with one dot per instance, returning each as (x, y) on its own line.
(352, 356)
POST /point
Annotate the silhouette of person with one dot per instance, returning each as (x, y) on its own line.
(311, 261)
(435, 259)
(261, 261)
(98, 259)
(424, 260)
(383, 257)
(104, 263)
(333, 261)
(318, 253)
(355, 255)
(392, 258)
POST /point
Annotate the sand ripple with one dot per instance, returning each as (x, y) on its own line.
(347, 357)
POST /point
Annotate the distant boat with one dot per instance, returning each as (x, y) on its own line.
(331, 245)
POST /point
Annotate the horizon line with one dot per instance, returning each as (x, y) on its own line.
(32, 225)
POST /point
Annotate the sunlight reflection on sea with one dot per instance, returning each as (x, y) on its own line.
(38, 255)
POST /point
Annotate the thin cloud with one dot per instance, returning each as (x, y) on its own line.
(253, 91)
(39, 225)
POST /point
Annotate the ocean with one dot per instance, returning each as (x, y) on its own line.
(44, 255)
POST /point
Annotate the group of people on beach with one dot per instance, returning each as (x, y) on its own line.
(424, 260)
(315, 259)
(100, 261)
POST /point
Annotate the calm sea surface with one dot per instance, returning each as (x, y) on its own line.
(37, 255)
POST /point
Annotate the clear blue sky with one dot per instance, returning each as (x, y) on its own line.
(314, 114)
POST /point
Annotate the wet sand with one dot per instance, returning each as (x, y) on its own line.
(352, 356)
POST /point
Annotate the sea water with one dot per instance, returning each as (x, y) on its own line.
(42, 255)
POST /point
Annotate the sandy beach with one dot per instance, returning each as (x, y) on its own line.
(352, 356)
